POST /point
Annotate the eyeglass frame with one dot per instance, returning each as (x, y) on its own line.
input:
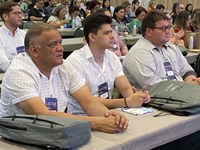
(163, 28)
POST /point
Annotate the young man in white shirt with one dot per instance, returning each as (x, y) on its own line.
(11, 37)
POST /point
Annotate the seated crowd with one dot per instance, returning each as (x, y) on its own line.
(35, 72)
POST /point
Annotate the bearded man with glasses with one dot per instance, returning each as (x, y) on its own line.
(11, 37)
(153, 58)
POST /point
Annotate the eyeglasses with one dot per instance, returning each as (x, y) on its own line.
(163, 28)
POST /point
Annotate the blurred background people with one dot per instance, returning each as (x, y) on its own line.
(152, 5)
(140, 14)
(135, 4)
(57, 18)
(127, 6)
(118, 24)
(106, 4)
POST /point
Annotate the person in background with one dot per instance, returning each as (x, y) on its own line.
(106, 4)
(160, 7)
(153, 59)
(119, 48)
(74, 14)
(175, 38)
(42, 84)
(135, 5)
(118, 24)
(189, 7)
(93, 4)
(11, 37)
(57, 19)
(52, 5)
(38, 12)
(140, 14)
(194, 12)
(82, 13)
(23, 5)
(152, 5)
(195, 24)
(101, 68)
(127, 6)
(183, 21)
(178, 8)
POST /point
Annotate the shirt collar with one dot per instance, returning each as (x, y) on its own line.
(7, 31)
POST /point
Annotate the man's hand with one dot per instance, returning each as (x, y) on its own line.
(138, 98)
(193, 80)
(120, 119)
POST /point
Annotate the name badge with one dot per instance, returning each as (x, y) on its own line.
(51, 103)
(20, 49)
(103, 90)
(169, 71)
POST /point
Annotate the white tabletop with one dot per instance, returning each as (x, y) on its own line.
(144, 132)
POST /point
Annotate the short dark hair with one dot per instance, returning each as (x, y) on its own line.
(139, 10)
(6, 7)
(160, 6)
(94, 22)
(135, 2)
(150, 20)
(34, 32)
(73, 9)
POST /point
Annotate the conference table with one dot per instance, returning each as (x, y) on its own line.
(144, 132)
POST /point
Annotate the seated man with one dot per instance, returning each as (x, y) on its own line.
(38, 12)
(101, 68)
(153, 59)
(11, 37)
(37, 82)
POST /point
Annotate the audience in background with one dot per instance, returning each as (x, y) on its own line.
(140, 14)
(82, 13)
(178, 8)
(160, 7)
(189, 7)
(135, 4)
(102, 69)
(182, 22)
(118, 24)
(175, 38)
(152, 5)
(127, 6)
(38, 12)
(195, 24)
(52, 5)
(153, 59)
(74, 14)
(57, 19)
(11, 37)
(93, 4)
(106, 4)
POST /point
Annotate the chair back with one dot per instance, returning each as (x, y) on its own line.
(79, 32)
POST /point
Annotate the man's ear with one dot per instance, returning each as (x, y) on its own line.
(148, 31)
(5, 16)
(33, 51)
(91, 37)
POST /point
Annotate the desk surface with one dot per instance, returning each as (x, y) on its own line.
(144, 132)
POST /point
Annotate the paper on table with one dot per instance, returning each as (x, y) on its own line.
(138, 111)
